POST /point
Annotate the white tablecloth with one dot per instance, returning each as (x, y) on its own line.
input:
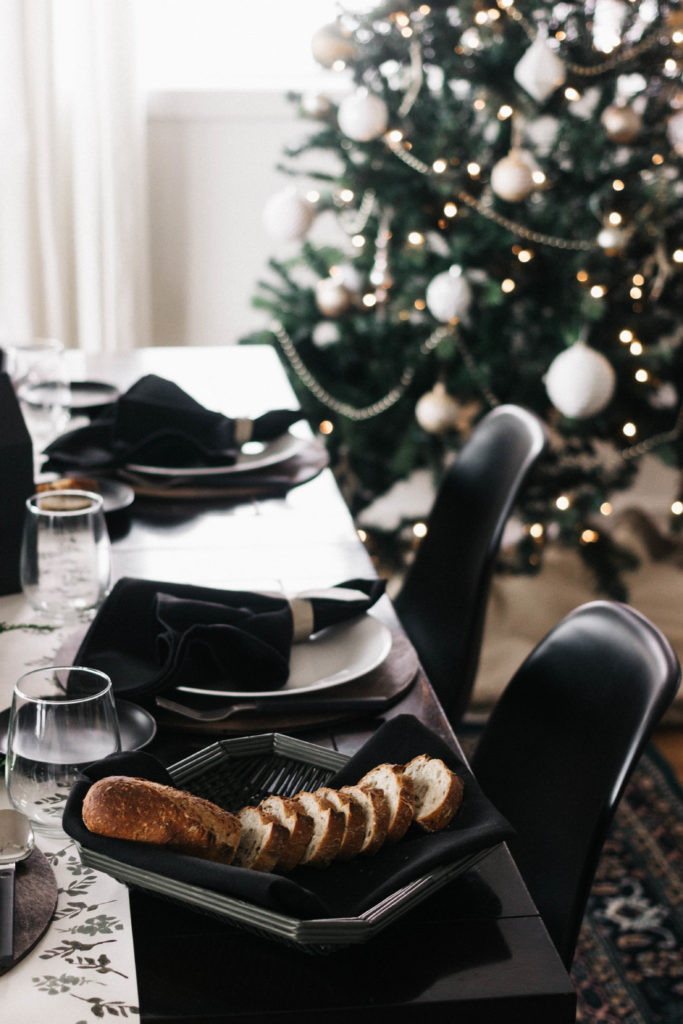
(83, 968)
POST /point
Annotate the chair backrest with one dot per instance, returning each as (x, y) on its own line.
(443, 598)
(561, 742)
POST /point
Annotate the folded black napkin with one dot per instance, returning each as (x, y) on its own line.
(150, 636)
(341, 890)
(156, 423)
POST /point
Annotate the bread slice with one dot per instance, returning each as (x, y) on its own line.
(123, 807)
(438, 792)
(398, 790)
(328, 830)
(376, 811)
(262, 842)
(354, 821)
(291, 814)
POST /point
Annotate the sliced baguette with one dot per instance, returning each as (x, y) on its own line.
(376, 811)
(398, 790)
(123, 807)
(262, 842)
(354, 821)
(438, 792)
(328, 830)
(291, 814)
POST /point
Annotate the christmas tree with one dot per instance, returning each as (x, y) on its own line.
(504, 187)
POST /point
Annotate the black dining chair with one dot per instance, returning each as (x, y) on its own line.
(561, 743)
(443, 598)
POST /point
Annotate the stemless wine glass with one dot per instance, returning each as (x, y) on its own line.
(61, 719)
(37, 369)
(65, 564)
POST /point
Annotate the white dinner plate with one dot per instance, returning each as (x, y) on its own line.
(331, 657)
(254, 455)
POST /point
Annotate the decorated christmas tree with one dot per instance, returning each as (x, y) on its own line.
(500, 187)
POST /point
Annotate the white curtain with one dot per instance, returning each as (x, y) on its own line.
(73, 178)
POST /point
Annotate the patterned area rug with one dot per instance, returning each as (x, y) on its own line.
(628, 967)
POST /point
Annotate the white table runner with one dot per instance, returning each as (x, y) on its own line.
(83, 968)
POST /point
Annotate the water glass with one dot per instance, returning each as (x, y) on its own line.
(37, 369)
(62, 718)
(65, 564)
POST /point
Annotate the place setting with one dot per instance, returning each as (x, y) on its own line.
(158, 440)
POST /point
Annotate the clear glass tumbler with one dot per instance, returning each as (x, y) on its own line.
(61, 719)
(37, 369)
(65, 563)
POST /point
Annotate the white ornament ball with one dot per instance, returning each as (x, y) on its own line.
(674, 130)
(363, 116)
(580, 381)
(332, 297)
(313, 104)
(448, 295)
(511, 178)
(622, 124)
(325, 334)
(330, 44)
(540, 71)
(287, 215)
(437, 411)
(613, 240)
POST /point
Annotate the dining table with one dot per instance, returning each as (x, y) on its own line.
(473, 950)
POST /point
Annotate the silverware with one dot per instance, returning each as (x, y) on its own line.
(16, 843)
(290, 706)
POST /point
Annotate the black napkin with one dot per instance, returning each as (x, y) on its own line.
(156, 423)
(150, 636)
(341, 890)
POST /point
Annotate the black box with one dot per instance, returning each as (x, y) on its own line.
(16, 484)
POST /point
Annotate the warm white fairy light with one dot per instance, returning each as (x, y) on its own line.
(638, 279)
(562, 503)
(677, 37)
(618, 185)
(670, 65)
(635, 348)
(504, 112)
(598, 291)
(450, 210)
(358, 241)
(369, 300)
(479, 104)
(525, 255)
(606, 508)
(615, 218)
(346, 195)
(395, 136)
(636, 293)
(629, 430)
(406, 32)
(420, 530)
(677, 256)
(626, 335)
(339, 65)
(589, 536)
(572, 94)
(416, 238)
(362, 536)
(677, 508)
(473, 169)
(657, 159)
(402, 19)
(439, 166)
(536, 530)
(481, 17)
(325, 427)
(538, 177)
(581, 276)
(641, 376)
(313, 196)
(508, 285)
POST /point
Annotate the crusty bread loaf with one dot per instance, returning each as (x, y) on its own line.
(291, 814)
(376, 811)
(328, 830)
(129, 808)
(398, 790)
(354, 821)
(262, 841)
(438, 792)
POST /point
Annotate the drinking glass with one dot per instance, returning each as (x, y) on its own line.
(37, 370)
(65, 563)
(61, 719)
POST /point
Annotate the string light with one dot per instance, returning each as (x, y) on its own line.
(536, 530)
(572, 94)
(508, 285)
(598, 291)
(450, 210)
(358, 241)
(362, 536)
(582, 276)
(657, 159)
(420, 530)
(504, 112)
(346, 195)
(677, 508)
(473, 169)
(439, 166)
(416, 238)
(626, 335)
(313, 196)
(562, 503)
(369, 300)
(618, 185)
(638, 279)
(629, 430)
(677, 256)
(525, 255)
(636, 293)
(635, 348)
(606, 508)
(589, 536)
(642, 376)
(615, 218)
(326, 427)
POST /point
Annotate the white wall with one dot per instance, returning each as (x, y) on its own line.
(212, 159)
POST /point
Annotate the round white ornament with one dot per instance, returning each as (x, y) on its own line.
(363, 116)
(437, 411)
(511, 178)
(674, 130)
(330, 44)
(622, 124)
(613, 240)
(580, 381)
(288, 215)
(325, 334)
(331, 297)
(540, 71)
(448, 295)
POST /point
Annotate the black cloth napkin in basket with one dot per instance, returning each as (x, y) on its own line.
(341, 890)
(156, 423)
(149, 636)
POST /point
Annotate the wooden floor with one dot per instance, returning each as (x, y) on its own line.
(669, 741)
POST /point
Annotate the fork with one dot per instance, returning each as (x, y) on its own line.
(326, 705)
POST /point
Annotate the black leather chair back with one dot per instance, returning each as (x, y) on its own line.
(561, 743)
(442, 601)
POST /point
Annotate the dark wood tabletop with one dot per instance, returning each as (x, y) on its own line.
(476, 951)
